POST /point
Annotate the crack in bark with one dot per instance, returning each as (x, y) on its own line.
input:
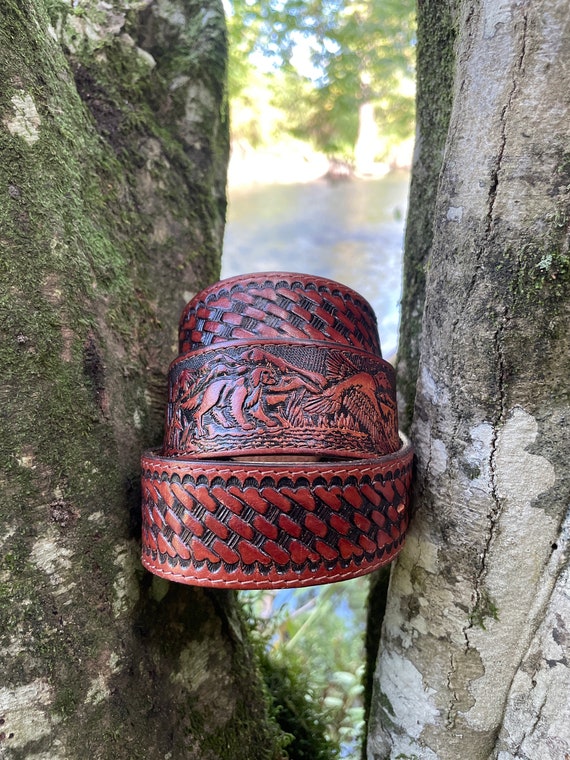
(494, 183)
(495, 509)
(530, 730)
(452, 709)
(538, 617)
(497, 165)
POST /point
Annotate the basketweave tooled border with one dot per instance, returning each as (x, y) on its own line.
(293, 527)
(279, 305)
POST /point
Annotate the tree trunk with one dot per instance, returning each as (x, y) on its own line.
(475, 653)
(436, 34)
(113, 138)
(366, 140)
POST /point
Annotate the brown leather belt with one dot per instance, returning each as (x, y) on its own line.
(280, 368)
(281, 397)
(241, 525)
(279, 305)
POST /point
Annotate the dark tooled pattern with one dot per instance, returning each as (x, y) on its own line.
(273, 525)
(278, 397)
(279, 305)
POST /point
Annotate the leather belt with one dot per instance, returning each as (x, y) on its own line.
(280, 368)
(241, 525)
(279, 305)
(281, 397)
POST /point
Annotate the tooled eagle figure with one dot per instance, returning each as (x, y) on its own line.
(365, 398)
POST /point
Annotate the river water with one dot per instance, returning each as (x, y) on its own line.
(349, 231)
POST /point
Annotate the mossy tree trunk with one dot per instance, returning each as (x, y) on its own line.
(475, 653)
(113, 140)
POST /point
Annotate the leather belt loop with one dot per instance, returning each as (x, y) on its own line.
(280, 368)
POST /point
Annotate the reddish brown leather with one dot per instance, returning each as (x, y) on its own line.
(281, 397)
(279, 305)
(239, 525)
(286, 366)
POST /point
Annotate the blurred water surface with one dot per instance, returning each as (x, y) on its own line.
(350, 231)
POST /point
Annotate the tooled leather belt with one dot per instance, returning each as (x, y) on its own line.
(278, 305)
(279, 370)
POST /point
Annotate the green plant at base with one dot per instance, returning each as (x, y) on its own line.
(318, 631)
(296, 709)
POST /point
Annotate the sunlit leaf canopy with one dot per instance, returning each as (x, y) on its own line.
(316, 62)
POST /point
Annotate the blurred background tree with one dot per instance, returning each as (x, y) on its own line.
(335, 73)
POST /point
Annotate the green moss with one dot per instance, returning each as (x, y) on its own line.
(435, 71)
(80, 334)
(66, 701)
(385, 703)
(191, 632)
(241, 738)
(76, 225)
(386, 714)
(540, 270)
(378, 592)
(159, 588)
(472, 471)
(483, 610)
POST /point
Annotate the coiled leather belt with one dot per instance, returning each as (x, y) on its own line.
(273, 368)
(279, 305)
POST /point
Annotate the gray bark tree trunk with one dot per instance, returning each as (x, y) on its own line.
(474, 660)
(113, 140)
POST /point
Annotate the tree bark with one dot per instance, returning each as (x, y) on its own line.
(113, 136)
(475, 653)
(435, 65)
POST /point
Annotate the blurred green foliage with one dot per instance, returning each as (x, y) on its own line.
(306, 67)
(296, 710)
(313, 659)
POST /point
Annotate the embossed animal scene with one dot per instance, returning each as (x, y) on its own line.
(273, 396)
